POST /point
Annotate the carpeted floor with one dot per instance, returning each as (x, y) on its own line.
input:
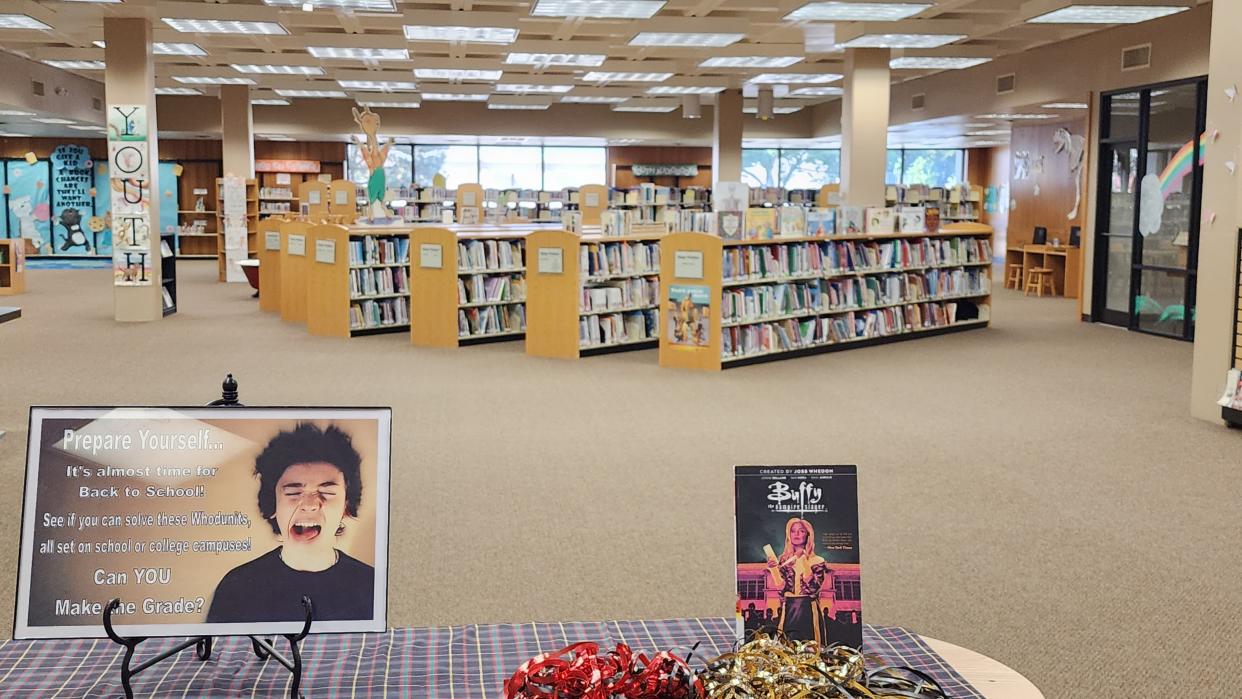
(1035, 491)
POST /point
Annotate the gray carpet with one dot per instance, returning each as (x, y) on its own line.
(1036, 491)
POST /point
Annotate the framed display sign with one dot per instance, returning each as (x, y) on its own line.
(204, 521)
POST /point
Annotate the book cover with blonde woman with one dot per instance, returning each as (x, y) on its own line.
(798, 553)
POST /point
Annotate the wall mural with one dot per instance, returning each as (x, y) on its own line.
(74, 200)
(29, 208)
(1073, 146)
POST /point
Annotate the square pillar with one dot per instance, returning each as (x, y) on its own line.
(727, 137)
(237, 127)
(864, 126)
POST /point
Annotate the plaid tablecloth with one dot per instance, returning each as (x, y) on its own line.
(457, 662)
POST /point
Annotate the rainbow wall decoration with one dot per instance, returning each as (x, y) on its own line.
(1181, 165)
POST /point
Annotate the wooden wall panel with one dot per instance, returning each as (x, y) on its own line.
(620, 158)
(183, 149)
(1045, 195)
(989, 167)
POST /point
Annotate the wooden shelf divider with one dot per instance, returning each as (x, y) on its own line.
(294, 241)
(330, 295)
(269, 263)
(12, 266)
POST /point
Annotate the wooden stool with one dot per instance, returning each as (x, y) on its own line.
(1038, 278)
(1015, 276)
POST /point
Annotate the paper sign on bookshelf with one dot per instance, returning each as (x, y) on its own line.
(430, 256)
(342, 197)
(297, 245)
(325, 251)
(313, 197)
(467, 199)
(688, 264)
(551, 261)
(271, 240)
(592, 199)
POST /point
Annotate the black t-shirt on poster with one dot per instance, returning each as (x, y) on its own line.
(266, 589)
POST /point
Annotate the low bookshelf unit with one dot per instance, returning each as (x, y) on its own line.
(358, 280)
(467, 287)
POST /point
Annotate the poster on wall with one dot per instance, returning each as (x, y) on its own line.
(100, 225)
(71, 184)
(204, 521)
(689, 311)
(797, 554)
(29, 211)
(127, 122)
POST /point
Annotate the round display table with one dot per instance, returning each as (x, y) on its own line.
(993, 680)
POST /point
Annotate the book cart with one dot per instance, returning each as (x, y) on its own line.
(467, 286)
(591, 294)
(728, 303)
(357, 280)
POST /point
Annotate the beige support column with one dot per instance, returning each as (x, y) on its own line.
(129, 79)
(727, 137)
(1218, 239)
(237, 126)
(864, 126)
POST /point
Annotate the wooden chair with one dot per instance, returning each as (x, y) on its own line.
(1039, 278)
(1015, 276)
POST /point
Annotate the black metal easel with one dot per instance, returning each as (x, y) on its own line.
(263, 648)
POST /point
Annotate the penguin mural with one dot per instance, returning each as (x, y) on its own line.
(71, 220)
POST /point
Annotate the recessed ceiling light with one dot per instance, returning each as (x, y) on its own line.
(170, 48)
(775, 110)
(277, 70)
(381, 85)
(454, 97)
(901, 41)
(389, 105)
(457, 74)
(1106, 14)
(816, 92)
(361, 53)
(18, 21)
(269, 102)
(593, 99)
(935, 62)
(15, 112)
(689, 39)
(642, 108)
(359, 5)
(311, 93)
(52, 120)
(211, 80)
(224, 26)
(749, 61)
(791, 78)
(1064, 105)
(178, 91)
(76, 65)
(556, 59)
(1017, 116)
(607, 76)
(513, 87)
(683, 90)
(857, 11)
(496, 105)
(474, 35)
(597, 9)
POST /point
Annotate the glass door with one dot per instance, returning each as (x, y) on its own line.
(1147, 221)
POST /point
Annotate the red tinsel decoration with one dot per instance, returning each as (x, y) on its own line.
(579, 671)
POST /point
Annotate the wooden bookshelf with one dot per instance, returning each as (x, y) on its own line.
(592, 200)
(252, 220)
(568, 277)
(343, 200)
(934, 283)
(12, 266)
(315, 194)
(168, 273)
(439, 264)
(269, 263)
(294, 248)
(468, 196)
(357, 280)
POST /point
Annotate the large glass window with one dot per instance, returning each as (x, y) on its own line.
(792, 168)
(573, 166)
(761, 167)
(398, 168)
(511, 167)
(458, 164)
(892, 167)
(934, 167)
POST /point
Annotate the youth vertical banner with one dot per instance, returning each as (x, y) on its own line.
(204, 521)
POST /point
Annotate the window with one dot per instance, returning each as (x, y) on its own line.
(398, 168)
(847, 589)
(511, 167)
(791, 168)
(932, 167)
(458, 164)
(892, 169)
(572, 166)
(761, 167)
(750, 589)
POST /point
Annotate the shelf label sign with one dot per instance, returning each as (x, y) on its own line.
(430, 256)
(688, 264)
(325, 251)
(551, 261)
(297, 245)
(591, 199)
(271, 240)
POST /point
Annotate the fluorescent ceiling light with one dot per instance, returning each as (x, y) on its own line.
(269, 102)
(597, 9)
(177, 91)
(683, 90)
(454, 97)
(96, 1)
(607, 76)
(311, 93)
(359, 5)
(458, 74)
(212, 80)
(688, 39)
(642, 108)
(77, 65)
(169, 48)
(593, 99)
(361, 53)
(1106, 14)
(857, 11)
(750, 61)
(274, 137)
(816, 92)
(389, 105)
(18, 21)
(790, 78)
(80, 127)
(513, 87)
(381, 85)
(1017, 116)
(935, 62)
(556, 59)
(224, 26)
(277, 70)
(15, 112)
(1064, 105)
(997, 132)
(52, 120)
(901, 41)
(8, 134)
(474, 35)
(775, 110)
(495, 105)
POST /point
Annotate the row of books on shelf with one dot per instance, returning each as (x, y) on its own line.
(490, 320)
(485, 255)
(365, 315)
(564, 196)
(763, 223)
(792, 334)
(756, 303)
(618, 328)
(776, 196)
(377, 250)
(648, 194)
(276, 207)
(277, 193)
(479, 288)
(621, 258)
(627, 294)
(371, 281)
(827, 258)
(425, 195)
(412, 213)
(921, 194)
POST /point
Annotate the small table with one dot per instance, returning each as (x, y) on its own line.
(993, 680)
(1065, 263)
(8, 313)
